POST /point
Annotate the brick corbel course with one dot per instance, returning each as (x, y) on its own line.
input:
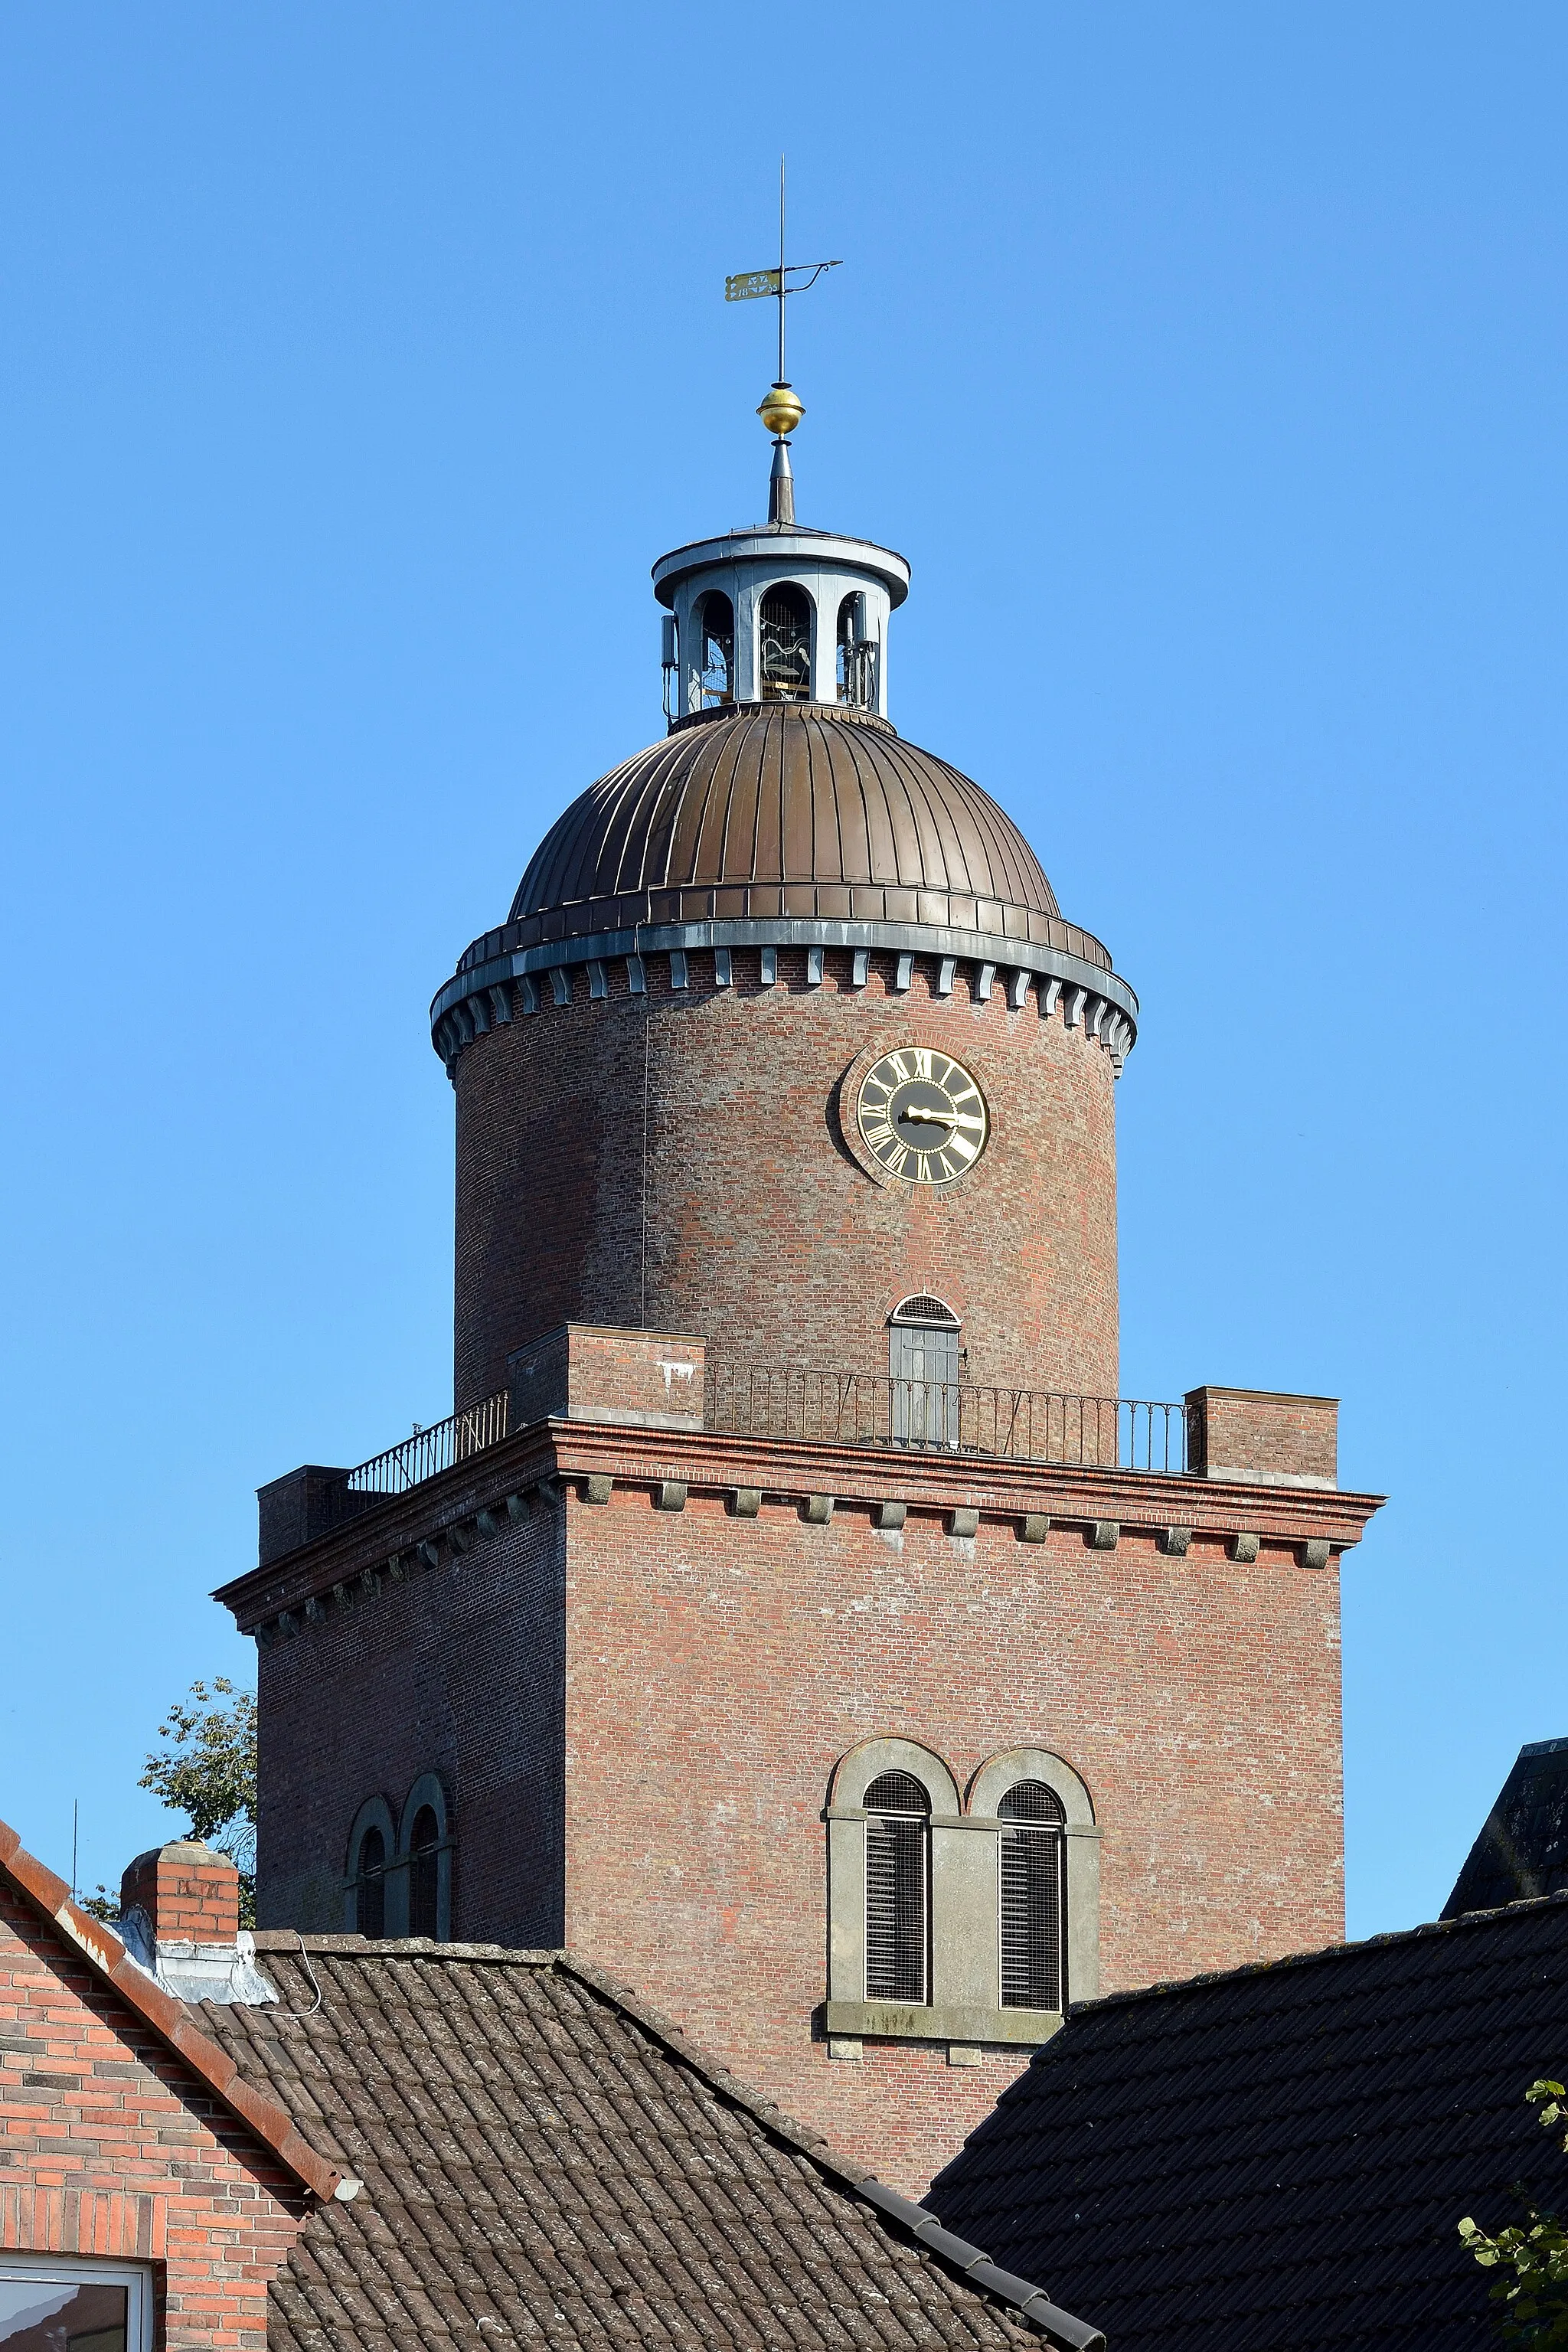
(169, 2019)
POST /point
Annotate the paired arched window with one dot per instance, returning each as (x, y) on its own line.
(1033, 1897)
(398, 1876)
(784, 634)
(971, 1919)
(716, 650)
(857, 656)
(898, 1889)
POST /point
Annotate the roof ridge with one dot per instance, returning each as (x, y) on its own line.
(1324, 1953)
(974, 2265)
(405, 1947)
(1020, 2295)
(170, 2020)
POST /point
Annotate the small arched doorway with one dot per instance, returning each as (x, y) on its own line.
(923, 1371)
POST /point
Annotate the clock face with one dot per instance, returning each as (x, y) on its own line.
(921, 1116)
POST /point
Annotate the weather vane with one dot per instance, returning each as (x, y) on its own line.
(782, 411)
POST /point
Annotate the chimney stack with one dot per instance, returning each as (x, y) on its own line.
(179, 1919)
(190, 1894)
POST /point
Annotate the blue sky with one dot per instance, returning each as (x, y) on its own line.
(1208, 364)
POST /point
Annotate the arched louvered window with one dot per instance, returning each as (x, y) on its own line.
(370, 1889)
(1034, 1897)
(716, 640)
(898, 1889)
(787, 644)
(424, 1879)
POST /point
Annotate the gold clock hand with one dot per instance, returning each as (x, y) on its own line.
(928, 1117)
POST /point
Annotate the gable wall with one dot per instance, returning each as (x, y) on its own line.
(109, 2148)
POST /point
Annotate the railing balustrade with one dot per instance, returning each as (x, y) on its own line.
(834, 1409)
(424, 1455)
(1016, 1424)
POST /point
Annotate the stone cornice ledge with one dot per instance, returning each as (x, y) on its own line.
(886, 2021)
(786, 1471)
(1138, 1501)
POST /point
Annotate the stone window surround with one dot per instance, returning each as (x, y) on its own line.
(376, 1813)
(20, 2267)
(965, 2010)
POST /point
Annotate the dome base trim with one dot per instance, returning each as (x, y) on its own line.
(1102, 1001)
(842, 714)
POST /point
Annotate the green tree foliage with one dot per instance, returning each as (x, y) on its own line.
(208, 1771)
(1533, 2292)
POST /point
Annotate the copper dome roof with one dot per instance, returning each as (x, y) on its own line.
(780, 810)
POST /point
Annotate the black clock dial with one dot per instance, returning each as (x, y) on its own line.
(921, 1116)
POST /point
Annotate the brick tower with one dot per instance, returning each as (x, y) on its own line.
(791, 1619)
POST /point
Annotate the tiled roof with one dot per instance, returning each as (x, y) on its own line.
(171, 2019)
(545, 2163)
(1522, 1849)
(1279, 2157)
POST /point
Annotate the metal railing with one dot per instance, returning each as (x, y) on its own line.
(1018, 1424)
(424, 1455)
(834, 1409)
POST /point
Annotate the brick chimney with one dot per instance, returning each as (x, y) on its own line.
(179, 1919)
(189, 1894)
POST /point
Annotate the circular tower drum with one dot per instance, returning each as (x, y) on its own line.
(786, 1043)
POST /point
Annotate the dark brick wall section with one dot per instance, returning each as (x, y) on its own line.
(458, 1670)
(750, 1189)
(111, 2148)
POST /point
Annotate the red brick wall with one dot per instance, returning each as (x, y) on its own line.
(638, 1740)
(456, 1670)
(763, 1233)
(187, 1892)
(107, 2146)
(718, 1667)
(1256, 1433)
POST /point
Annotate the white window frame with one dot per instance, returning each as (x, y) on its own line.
(65, 2270)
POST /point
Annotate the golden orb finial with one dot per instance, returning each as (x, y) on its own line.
(782, 409)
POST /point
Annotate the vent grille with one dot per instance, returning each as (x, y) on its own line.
(1033, 1909)
(924, 1309)
(897, 1935)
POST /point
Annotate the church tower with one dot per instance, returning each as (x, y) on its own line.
(792, 1619)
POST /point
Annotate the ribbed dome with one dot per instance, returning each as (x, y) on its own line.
(787, 809)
